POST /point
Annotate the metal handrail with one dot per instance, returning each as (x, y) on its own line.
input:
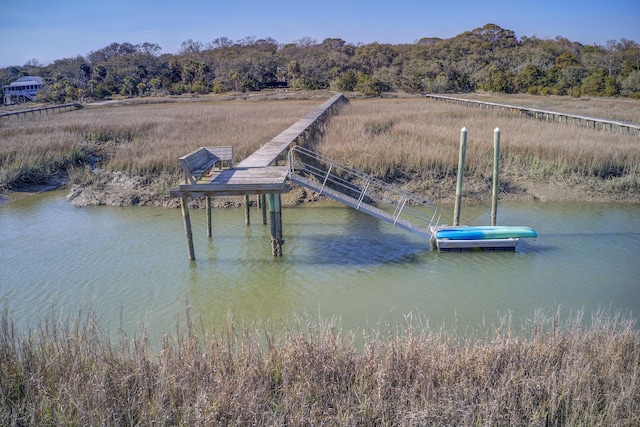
(362, 187)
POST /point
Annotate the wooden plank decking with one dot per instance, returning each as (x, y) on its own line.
(269, 153)
(238, 181)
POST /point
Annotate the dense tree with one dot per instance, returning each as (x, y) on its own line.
(487, 58)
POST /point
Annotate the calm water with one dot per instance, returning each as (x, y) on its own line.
(130, 266)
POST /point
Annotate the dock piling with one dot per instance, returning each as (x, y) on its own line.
(496, 171)
(463, 151)
(247, 212)
(184, 206)
(275, 212)
(208, 201)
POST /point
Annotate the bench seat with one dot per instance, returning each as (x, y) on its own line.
(200, 162)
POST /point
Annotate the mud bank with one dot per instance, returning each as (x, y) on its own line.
(122, 190)
(119, 189)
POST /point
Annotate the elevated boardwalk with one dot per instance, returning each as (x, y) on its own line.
(257, 174)
(550, 116)
(54, 109)
(296, 134)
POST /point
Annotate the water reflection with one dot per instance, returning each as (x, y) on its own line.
(130, 265)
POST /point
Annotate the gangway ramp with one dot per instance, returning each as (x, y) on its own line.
(362, 191)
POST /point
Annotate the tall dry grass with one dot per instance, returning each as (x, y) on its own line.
(415, 142)
(139, 139)
(550, 372)
(411, 141)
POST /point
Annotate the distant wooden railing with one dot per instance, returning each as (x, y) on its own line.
(550, 116)
(54, 109)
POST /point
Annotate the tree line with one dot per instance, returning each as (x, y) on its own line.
(488, 58)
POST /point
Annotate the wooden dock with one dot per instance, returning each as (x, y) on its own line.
(257, 174)
(549, 116)
(53, 108)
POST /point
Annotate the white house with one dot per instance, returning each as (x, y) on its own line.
(26, 87)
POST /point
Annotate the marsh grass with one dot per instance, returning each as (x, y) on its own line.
(415, 143)
(410, 141)
(142, 139)
(549, 372)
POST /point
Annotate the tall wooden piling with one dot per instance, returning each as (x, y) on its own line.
(208, 201)
(275, 213)
(496, 172)
(187, 227)
(463, 151)
(263, 205)
(247, 211)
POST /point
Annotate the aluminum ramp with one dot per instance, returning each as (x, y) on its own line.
(362, 192)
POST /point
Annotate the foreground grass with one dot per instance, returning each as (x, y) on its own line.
(552, 372)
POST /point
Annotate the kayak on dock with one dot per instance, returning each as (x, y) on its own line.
(485, 232)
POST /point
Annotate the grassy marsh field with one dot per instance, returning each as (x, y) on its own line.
(408, 140)
(551, 372)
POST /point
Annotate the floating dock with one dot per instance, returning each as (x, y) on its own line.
(462, 238)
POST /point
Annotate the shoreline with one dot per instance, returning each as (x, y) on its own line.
(121, 191)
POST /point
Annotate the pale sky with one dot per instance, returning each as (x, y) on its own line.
(47, 30)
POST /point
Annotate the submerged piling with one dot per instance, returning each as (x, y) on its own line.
(463, 151)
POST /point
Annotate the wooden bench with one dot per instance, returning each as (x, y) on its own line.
(202, 161)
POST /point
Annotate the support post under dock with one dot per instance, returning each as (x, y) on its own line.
(275, 212)
(187, 227)
(263, 206)
(208, 201)
(247, 212)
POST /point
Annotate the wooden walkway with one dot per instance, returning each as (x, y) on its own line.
(298, 133)
(257, 174)
(55, 108)
(550, 116)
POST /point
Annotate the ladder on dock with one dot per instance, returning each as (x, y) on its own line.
(362, 192)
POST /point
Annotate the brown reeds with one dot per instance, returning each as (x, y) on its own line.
(138, 139)
(414, 143)
(550, 372)
(410, 141)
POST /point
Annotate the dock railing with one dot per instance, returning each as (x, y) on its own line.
(362, 192)
(546, 115)
(52, 108)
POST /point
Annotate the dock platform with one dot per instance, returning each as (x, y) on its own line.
(476, 239)
(259, 174)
